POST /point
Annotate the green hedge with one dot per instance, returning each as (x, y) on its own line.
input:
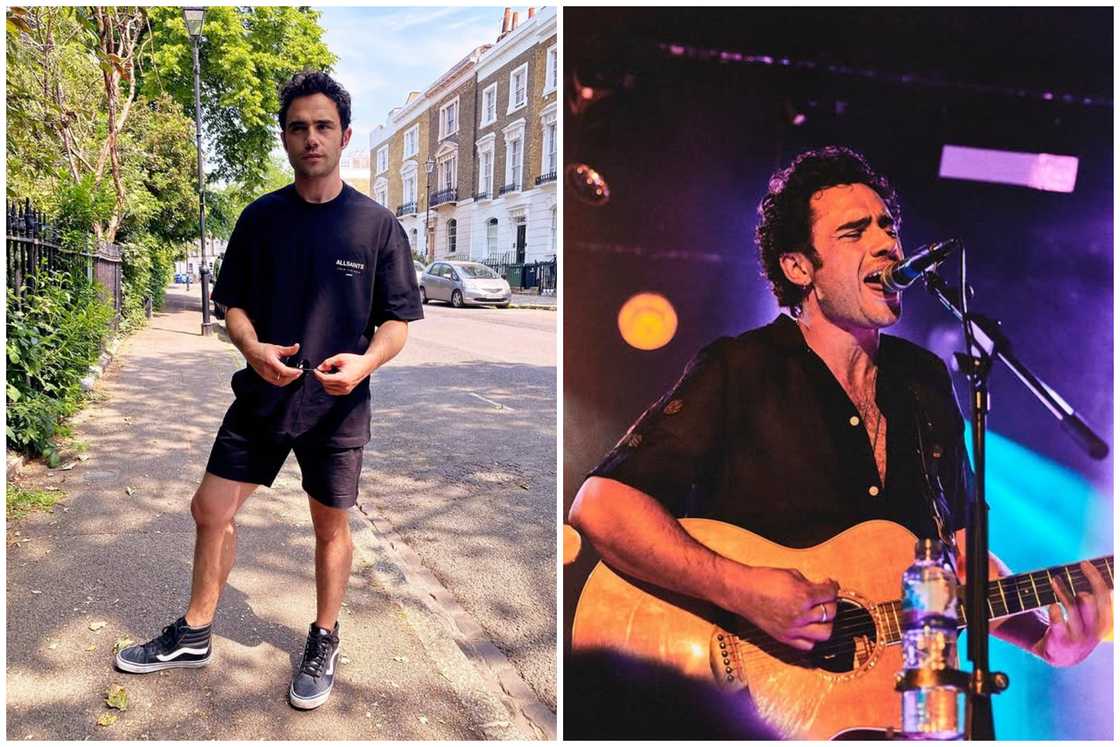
(55, 333)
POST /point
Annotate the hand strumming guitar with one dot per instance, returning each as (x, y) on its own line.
(786, 605)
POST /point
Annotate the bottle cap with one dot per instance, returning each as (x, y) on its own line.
(928, 549)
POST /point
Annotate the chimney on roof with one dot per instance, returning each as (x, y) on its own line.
(514, 24)
(532, 12)
(505, 23)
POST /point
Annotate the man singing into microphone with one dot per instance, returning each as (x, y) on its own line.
(805, 427)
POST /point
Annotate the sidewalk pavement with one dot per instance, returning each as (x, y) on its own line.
(113, 560)
(532, 300)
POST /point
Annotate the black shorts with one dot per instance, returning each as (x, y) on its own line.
(243, 453)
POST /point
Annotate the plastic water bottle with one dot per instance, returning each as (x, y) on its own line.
(929, 642)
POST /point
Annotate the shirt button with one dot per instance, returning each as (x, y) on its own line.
(853, 420)
(873, 490)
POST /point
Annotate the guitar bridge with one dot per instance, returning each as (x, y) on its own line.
(725, 658)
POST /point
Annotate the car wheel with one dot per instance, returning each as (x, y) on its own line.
(423, 295)
(456, 299)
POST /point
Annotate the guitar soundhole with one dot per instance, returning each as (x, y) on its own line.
(852, 641)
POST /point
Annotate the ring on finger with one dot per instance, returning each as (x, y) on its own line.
(824, 614)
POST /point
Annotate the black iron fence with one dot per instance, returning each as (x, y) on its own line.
(33, 245)
(537, 276)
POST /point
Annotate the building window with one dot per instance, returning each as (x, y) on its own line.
(409, 180)
(492, 237)
(451, 236)
(449, 118)
(518, 87)
(485, 172)
(515, 153)
(548, 152)
(489, 105)
(550, 70)
(381, 193)
(447, 178)
(412, 141)
(383, 159)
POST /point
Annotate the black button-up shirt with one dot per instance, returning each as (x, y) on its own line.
(759, 433)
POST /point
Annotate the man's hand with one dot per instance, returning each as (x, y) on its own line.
(340, 373)
(267, 360)
(785, 604)
(1072, 635)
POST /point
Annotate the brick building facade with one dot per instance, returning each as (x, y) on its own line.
(489, 128)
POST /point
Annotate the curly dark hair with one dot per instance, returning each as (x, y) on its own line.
(786, 224)
(310, 82)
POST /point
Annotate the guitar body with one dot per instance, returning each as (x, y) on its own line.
(802, 697)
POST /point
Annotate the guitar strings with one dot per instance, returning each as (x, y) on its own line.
(842, 623)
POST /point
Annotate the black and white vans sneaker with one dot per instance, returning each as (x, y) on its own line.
(313, 682)
(177, 646)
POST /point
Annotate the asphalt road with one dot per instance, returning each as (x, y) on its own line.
(462, 464)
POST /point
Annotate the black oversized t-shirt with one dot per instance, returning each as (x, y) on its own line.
(759, 433)
(324, 275)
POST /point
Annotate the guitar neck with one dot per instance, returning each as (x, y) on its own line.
(1011, 595)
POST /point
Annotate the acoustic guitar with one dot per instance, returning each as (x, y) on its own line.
(845, 683)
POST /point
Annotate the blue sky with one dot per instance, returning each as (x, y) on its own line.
(386, 52)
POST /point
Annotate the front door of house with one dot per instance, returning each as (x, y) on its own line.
(520, 243)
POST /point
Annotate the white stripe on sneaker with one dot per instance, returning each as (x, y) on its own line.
(330, 669)
(175, 654)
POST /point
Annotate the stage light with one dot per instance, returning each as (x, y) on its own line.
(572, 544)
(1042, 171)
(587, 184)
(647, 321)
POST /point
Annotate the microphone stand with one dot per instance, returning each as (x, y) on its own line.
(979, 723)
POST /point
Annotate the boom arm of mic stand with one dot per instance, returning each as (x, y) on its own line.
(1071, 422)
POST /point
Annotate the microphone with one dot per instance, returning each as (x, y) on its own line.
(901, 275)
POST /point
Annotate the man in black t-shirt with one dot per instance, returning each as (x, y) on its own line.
(320, 287)
(806, 427)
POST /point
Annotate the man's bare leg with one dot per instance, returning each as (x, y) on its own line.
(334, 553)
(214, 506)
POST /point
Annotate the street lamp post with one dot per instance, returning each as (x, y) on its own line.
(193, 17)
(429, 165)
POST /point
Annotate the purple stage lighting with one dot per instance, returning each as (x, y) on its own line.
(1043, 171)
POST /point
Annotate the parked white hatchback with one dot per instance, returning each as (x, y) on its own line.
(461, 283)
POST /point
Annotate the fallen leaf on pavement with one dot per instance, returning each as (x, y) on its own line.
(523, 486)
(36, 591)
(344, 659)
(401, 659)
(83, 457)
(422, 719)
(107, 719)
(116, 697)
(96, 626)
(53, 645)
(492, 724)
(122, 643)
(369, 715)
(69, 465)
(129, 490)
(91, 648)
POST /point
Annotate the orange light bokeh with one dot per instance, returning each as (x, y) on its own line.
(647, 321)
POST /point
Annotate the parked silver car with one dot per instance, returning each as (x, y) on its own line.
(462, 283)
(419, 270)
